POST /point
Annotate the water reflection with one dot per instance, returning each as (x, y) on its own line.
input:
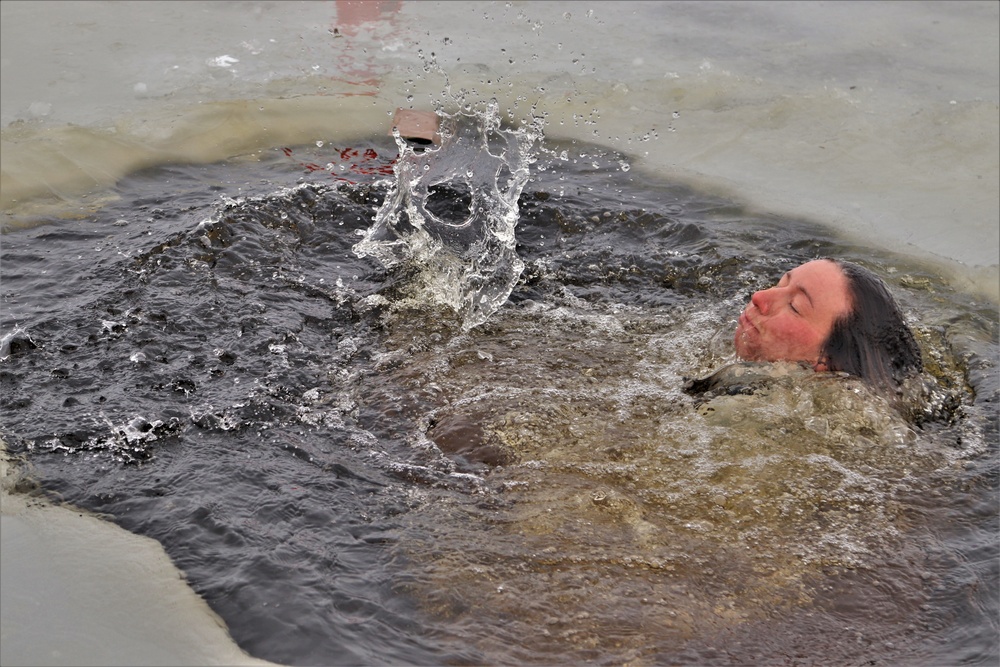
(356, 27)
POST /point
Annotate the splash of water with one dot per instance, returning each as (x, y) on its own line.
(452, 213)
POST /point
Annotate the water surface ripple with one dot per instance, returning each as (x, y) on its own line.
(349, 475)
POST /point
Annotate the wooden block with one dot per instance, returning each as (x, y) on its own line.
(418, 127)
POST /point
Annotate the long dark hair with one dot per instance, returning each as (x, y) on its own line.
(873, 340)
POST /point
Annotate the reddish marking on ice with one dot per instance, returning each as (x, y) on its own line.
(363, 166)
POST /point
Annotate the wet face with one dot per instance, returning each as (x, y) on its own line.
(792, 320)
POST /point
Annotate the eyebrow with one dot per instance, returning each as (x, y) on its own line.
(802, 289)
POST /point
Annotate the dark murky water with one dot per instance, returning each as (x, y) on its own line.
(350, 474)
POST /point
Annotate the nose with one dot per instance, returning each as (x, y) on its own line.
(762, 300)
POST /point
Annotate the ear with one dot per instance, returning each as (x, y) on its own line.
(820, 367)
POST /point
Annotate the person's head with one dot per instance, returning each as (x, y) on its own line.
(834, 316)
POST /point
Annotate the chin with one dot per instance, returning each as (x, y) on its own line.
(742, 351)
